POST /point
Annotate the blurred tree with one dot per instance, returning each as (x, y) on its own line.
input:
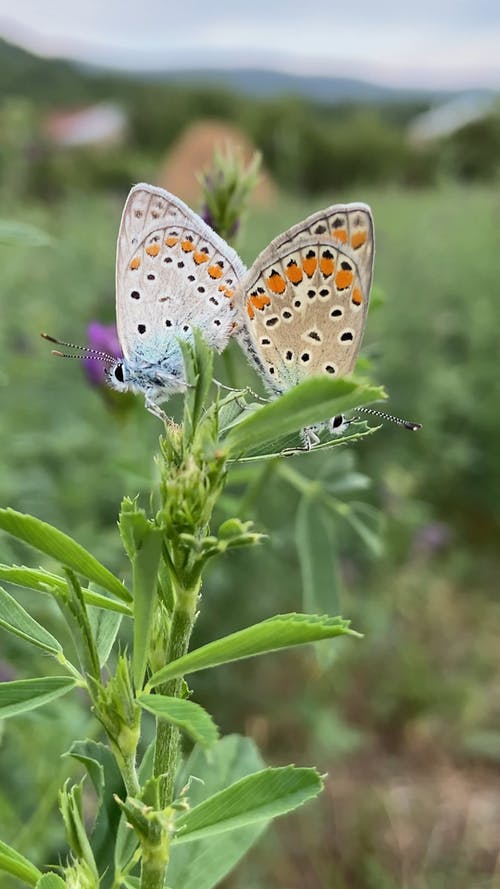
(473, 152)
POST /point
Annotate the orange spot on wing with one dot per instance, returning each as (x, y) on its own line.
(327, 266)
(276, 283)
(153, 250)
(340, 234)
(260, 302)
(199, 257)
(357, 297)
(135, 263)
(171, 241)
(294, 273)
(187, 246)
(343, 279)
(309, 266)
(250, 311)
(358, 239)
(215, 271)
(223, 288)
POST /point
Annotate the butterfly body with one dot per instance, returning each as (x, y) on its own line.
(157, 381)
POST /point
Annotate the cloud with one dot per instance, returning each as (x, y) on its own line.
(429, 42)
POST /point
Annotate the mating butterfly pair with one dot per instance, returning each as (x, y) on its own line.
(299, 311)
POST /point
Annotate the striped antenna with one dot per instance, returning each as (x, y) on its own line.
(86, 350)
(407, 424)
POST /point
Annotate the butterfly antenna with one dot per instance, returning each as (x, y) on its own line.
(96, 354)
(407, 424)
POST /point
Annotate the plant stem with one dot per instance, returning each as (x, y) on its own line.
(168, 735)
(299, 482)
(128, 770)
(155, 855)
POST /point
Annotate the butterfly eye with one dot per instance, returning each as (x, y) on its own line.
(119, 373)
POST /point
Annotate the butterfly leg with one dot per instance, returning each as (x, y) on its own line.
(309, 438)
(154, 408)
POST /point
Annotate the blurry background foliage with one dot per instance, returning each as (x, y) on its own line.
(406, 721)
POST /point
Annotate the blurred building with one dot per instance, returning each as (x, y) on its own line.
(104, 124)
(448, 118)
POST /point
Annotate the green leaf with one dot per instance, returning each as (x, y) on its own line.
(51, 881)
(133, 525)
(198, 366)
(311, 402)
(143, 543)
(293, 445)
(14, 618)
(204, 863)
(75, 613)
(187, 715)
(145, 573)
(316, 549)
(32, 578)
(45, 582)
(317, 556)
(26, 694)
(17, 865)
(71, 808)
(281, 631)
(22, 234)
(62, 548)
(259, 797)
(106, 778)
(105, 626)
(339, 477)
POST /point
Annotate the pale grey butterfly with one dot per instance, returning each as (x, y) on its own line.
(173, 274)
(303, 304)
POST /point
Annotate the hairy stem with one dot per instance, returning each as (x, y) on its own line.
(167, 735)
(126, 764)
(155, 855)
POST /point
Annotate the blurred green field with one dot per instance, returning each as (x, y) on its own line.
(405, 721)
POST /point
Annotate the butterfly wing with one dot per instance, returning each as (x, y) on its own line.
(303, 303)
(173, 273)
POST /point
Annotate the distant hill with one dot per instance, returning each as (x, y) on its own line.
(45, 80)
(61, 81)
(262, 84)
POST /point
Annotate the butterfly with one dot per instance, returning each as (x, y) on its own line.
(304, 302)
(173, 274)
(305, 298)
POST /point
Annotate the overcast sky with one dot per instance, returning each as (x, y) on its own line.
(436, 43)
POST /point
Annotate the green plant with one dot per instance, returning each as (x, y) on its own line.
(168, 550)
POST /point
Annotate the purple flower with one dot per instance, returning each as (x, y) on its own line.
(102, 338)
(432, 538)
